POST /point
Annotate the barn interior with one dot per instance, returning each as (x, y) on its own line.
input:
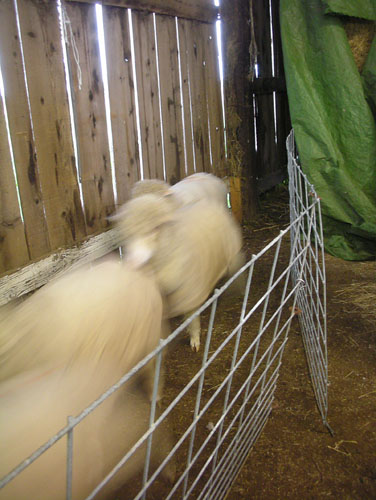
(96, 96)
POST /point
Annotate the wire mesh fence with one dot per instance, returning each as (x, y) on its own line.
(217, 413)
(311, 295)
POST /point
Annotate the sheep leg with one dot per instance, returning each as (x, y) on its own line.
(194, 332)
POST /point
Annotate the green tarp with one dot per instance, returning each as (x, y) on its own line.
(332, 112)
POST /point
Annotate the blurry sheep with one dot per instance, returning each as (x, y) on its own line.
(191, 189)
(34, 406)
(60, 350)
(104, 312)
(189, 250)
(198, 187)
(149, 186)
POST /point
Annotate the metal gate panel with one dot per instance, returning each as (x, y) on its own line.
(233, 381)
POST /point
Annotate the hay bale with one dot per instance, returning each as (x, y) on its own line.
(360, 34)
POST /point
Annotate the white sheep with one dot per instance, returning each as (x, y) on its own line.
(189, 249)
(198, 187)
(107, 311)
(60, 349)
(191, 189)
(149, 186)
(35, 405)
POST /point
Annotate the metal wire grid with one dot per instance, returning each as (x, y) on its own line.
(311, 296)
(242, 400)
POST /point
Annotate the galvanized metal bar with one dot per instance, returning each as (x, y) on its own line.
(234, 444)
(199, 392)
(240, 455)
(235, 354)
(270, 287)
(69, 458)
(151, 419)
(247, 410)
(208, 404)
(248, 421)
(239, 412)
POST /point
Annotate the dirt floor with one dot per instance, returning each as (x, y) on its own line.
(295, 456)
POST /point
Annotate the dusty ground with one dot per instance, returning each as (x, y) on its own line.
(295, 456)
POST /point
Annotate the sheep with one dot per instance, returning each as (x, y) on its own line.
(60, 349)
(146, 186)
(108, 311)
(189, 250)
(191, 189)
(35, 405)
(198, 187)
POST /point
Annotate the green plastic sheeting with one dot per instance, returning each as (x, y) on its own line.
(369, 77)
(366, 9)
(331, 113)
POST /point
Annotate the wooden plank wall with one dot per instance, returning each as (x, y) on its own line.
(268, 91)
(165, 114)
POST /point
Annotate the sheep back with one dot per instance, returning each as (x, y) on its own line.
(108, 311)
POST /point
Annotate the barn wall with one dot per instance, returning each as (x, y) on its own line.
(63, 173)
(257, 115)
(269, 96)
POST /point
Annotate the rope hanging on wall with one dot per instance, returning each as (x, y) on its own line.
(70, 41)
(252, 45)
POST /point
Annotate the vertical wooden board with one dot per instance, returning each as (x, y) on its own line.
(267, 150)
(283, 115)
(213, 87)
(21, 133)
(122, 100)
(147, 84)
(170, 98)
(187, 115)
(43, 58)
(198, 96)
(236, 198)
(90, 117)
(13, 246)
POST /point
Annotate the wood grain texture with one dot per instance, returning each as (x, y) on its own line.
(201, 10)
(33, 276)
(186, 92)
(197, 78)
(43, 59)
(170, 98)
(13, 246)
(282, 105)
(267, 154)
(241, 159)
(21, 132)
(122, 100)
(90, 117)
(213, 99)
(148, 94)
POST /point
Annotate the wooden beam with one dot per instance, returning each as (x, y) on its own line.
(33, 276)
(199, 10)
(241, 158)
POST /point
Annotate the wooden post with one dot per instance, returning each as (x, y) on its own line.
(236, 38)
